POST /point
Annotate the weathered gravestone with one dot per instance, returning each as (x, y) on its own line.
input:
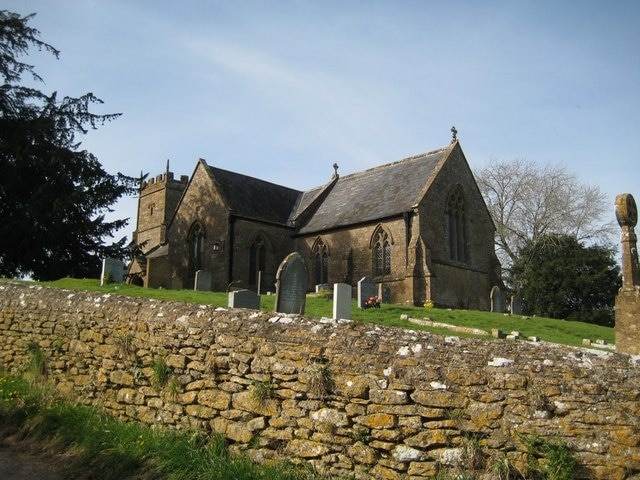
(627, 309)
(244, 299)
(366, 290)
(323, 288)
(112, 271)
(516, 305)
(497, 299)
(384, 293)
(341, 301)
(291, 284)
(203, 280)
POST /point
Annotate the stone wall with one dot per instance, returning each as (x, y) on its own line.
(351, 398)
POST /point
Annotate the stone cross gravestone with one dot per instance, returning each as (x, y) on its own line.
(341, 301)
(497, 299)
(366, 290)
(112, 271)
(244, 299)
(627, 306)
(203, 280)
(291, 285)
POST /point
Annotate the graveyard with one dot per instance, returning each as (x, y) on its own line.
(319, 306)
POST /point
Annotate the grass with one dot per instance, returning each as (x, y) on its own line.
(96, 445)
(547, 329)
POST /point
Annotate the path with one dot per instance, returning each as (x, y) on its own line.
(22, 465)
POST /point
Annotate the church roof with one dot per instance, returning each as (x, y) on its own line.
(253, 198)
(377, 193)
(373, 194)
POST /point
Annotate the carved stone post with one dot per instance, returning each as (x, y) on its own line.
(628, 299)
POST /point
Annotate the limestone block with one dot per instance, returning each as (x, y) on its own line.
(377, 420)
(388, 397)
(200, 411)
(176, 361)
(217, 399)
(362, 453)
(331, 416)
(120, 377)
(306, 449)
(439, 398)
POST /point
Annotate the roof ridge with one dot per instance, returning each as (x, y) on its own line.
(212, 168)
(413, 157)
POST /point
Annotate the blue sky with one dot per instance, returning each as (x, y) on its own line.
(281, 90)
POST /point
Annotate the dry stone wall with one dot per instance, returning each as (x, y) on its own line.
(351, 398)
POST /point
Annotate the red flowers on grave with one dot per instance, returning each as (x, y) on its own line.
(372, 302)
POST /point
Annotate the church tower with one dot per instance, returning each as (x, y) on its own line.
(157, 202)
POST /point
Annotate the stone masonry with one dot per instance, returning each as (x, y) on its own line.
(353, 399)
(627, 305)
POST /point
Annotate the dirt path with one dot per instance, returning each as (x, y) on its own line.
(22, 465)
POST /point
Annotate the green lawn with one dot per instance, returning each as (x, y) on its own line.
(547, 329)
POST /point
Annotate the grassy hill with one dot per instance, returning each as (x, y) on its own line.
(547, 329)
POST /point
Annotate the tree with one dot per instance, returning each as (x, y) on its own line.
(561, 278)
(53, 195)
(528, 203)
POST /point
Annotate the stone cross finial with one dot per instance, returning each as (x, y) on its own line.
(454, 134)
(627, 216)
(335, 169)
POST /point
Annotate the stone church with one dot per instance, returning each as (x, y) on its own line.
(418, 227)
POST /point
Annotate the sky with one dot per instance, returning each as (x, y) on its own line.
(282, 90)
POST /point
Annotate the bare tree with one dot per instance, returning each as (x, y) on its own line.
(528, 202)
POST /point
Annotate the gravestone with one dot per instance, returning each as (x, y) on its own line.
(384, 293)
(366, 290)
(497, 300)
(244, 299)
(291, 285)
(341, 301)
(627, 306)
(323, 288)
(203, 280)
(112, 271)
(516, 305)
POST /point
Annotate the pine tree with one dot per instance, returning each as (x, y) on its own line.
(53, 195)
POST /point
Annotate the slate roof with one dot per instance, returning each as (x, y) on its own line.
(253, 198)
(373, 194)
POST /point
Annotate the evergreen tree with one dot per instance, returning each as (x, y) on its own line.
(561, 278)
(53, 195)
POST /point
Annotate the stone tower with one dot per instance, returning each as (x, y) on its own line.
(628, 298)
(157, 202)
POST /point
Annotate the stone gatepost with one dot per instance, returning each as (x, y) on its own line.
(628, 299)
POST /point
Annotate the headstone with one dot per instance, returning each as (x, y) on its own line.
(112, 271)
(384, 293)
(291, 285)
(497, 300)
(244, 299)
(341, 301)
(516, 305)
(203, 280)
(366, 290)
(627, 306)
(323, 288)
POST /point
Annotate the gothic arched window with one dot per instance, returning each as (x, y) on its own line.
(381, 249)
(196, 248)
(320, 254)
(257, 260)
(456, 226)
